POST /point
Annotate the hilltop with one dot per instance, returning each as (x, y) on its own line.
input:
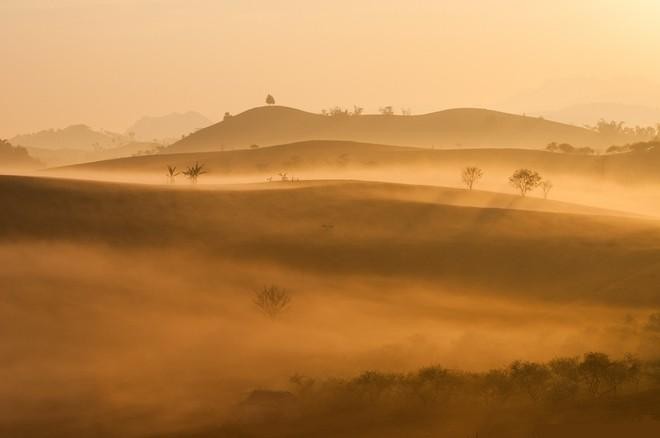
(454, 128)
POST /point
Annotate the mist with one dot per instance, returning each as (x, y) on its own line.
(373, 218)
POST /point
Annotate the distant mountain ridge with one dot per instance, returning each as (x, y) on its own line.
(167, 128)
(80, 143)
(454, 128)
(72, 137)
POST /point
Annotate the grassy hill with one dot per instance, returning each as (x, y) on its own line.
(469, 128)
(340, 158)
(128, 310)
(373, 228)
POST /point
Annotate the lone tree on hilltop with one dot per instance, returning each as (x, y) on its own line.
(471, 175)
(194, 172)
(525, 180)
(270, 100)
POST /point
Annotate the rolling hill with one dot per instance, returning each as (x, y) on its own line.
(339, 158)
(356, 228)
(128, 310)
(455, 128)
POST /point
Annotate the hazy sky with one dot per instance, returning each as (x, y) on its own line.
(109, 62)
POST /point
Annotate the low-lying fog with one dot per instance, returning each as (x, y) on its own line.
(631, 196)
(123, 342)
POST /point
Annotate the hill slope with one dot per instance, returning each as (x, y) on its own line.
(337, 158)
(267, 126)
(350, 229)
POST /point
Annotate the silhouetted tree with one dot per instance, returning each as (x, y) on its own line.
(172, 174)
(497, 385)
(546, 186)
(270, 100)
(525, 180)
(272, 300)
(357, 110)
(611, 128)
(531, 377)
(406, 111)
(194, 172)
(569, 149)
(387, 111)
(593, 370)
(471, 175)
(336, 111)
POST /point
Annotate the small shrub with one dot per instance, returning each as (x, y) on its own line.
(272, 300)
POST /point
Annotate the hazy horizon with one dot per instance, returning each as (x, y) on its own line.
(107, 63)
(319, 271)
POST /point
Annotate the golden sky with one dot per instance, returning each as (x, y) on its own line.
(109, 62)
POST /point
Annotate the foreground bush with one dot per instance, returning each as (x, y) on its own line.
(521, 400)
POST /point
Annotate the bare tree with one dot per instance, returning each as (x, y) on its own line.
(471, 175)
(546, 186)
(525, 180)
(172, 174)
(194, 172)
(284, 176)
(270, 100)
(406, 112)
(272, 300)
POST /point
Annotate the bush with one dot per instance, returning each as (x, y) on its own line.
(272, 300)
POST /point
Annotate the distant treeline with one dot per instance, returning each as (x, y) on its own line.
(642, 146)
(645, 138)
(593, 387)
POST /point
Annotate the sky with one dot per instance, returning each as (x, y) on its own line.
(107, 63)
